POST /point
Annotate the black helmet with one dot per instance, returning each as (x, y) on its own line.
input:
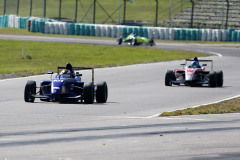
(69, 66)
(195, 59)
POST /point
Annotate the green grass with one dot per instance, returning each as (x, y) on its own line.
(229, 106)
(16, 31)
(47, 56)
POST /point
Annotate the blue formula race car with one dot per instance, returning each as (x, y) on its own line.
(67, 87)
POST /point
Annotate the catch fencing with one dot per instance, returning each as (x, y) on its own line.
(215, 14)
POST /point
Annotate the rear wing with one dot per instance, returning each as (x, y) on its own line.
(210, 61)
(78, 68)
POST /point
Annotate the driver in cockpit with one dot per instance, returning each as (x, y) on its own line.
(68, 72)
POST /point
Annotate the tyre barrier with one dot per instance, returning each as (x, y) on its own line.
(49, 26)
(4, 21)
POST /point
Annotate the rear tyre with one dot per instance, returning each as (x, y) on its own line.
(169, 77)
(102, 92)
(119, 41)
(212, 79)
(151, 42)
(219, 78)
(88, 93)
(134, 42)
(30, 90)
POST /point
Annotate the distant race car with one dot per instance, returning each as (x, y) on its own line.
(66, 88)
(134, 40)
(192, 76)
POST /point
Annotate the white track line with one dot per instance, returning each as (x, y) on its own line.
(210, 52)
(11, 79)
(218, 54)
(217, 101)
(157, 115)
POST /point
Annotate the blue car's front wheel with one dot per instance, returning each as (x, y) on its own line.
(102, 92)
(30, 90)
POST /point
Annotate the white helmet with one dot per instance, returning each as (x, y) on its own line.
(65, 73)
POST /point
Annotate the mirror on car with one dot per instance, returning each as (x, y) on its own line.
(51, 74)
(78, 74)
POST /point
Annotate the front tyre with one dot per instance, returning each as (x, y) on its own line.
(169, 77)
(212, 79)
(30, 90)
(102, 92)
(119, 41)
(219, 78)
(88, 93)
(134, 42)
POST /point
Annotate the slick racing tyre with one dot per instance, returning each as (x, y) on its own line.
(169, 77)
(88, 93)
(119, 41)
(212, 79)
(102, 92)
(134, 42)
(30, 90)
(219, 78)
(151, 42)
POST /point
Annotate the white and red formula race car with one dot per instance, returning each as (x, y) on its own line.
(195, 76)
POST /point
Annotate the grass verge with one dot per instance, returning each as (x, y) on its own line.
(228, 106)
(44, 56)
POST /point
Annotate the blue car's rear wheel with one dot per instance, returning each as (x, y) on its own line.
(30, 90)
(88, 93)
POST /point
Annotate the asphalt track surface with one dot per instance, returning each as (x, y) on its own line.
(127, 126)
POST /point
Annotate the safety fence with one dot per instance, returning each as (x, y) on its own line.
(49, 26)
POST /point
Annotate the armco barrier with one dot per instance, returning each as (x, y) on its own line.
(4, 21)
(140, 31)
(76, 29)
(234, 36)
(238, 36)
(1, 21)
(229, 34)
(49, 26)
(71, 29)
(42, 27)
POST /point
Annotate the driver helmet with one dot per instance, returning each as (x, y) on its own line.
(195, 59)
(65, 73)
(195, 64)
(69, 66)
